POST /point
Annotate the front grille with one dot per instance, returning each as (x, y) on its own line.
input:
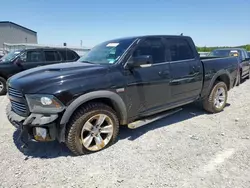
(18, 102)
(18, 107)
(14, 93)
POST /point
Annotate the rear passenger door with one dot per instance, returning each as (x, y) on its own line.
(185, 70)
(51, 57)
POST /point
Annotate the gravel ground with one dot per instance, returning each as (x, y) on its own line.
(188, 149)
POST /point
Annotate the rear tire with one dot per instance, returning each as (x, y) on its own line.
(239, 79)
(3, 88)
(217, 99)
(83, 135)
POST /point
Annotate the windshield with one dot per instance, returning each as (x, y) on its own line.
(223, 53)
(10, 56)
(107, 52)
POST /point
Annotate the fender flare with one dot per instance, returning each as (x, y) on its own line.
(214, 78)
(116, 100)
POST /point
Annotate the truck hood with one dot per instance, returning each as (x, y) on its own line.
(40, 78)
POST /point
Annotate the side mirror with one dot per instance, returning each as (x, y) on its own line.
(18, 61)
(247, 59)
(135, 62)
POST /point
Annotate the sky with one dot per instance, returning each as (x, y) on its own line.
(209, 23)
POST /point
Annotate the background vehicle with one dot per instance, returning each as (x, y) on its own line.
(116, 83)
(244, 60)
(17, 61)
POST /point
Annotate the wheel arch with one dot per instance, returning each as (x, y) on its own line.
(3, 76)
(223, 76)
(107, 97)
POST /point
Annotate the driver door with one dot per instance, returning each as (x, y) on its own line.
(148, 87)
(31, 59)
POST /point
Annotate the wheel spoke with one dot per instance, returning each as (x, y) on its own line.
(216, 103)
(99, 142)
(220, 91)
(107, 129)
(222, 98)
(88, 126)
(87, 141)
(101, 119)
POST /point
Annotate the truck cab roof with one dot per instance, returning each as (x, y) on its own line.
(147, 36)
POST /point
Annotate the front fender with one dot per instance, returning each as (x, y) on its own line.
(116, 100)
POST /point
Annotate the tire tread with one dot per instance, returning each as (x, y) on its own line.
(208, 101)
(81, 114)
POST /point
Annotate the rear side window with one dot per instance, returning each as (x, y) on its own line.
(243, 55)
(180, 49)
(246, 55)
(52, 56)
(68, 55)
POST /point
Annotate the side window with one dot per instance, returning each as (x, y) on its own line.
(246, 55)
(243, 57)
(180, 49)
(153, 47)
(63, 54)
(67, 55)
(51, 56)
(71, 56)
(32, 56)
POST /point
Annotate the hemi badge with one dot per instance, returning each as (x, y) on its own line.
(120, 90)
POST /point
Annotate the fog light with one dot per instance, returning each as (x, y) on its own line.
(41, 134)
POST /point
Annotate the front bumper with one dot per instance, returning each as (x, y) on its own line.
(33, 121)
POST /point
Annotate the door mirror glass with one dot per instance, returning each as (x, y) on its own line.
(138, 61)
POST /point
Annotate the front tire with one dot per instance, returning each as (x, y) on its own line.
(3, 88)
(92, 128)
(217, 99)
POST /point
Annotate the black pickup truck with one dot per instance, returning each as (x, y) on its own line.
(116, 83)
(20, 60)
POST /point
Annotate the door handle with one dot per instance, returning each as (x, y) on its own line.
(164, 73)
(196, 68)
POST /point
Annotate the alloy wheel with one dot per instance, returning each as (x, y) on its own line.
(220, 97)
(97, 131)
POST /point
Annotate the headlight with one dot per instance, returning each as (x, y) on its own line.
(44, 104)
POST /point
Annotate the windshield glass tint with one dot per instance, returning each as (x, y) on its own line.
(107, 52)
(10, 56)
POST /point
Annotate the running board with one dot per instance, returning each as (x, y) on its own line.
(151, 119)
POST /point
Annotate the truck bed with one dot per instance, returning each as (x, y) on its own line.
(215, 65)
